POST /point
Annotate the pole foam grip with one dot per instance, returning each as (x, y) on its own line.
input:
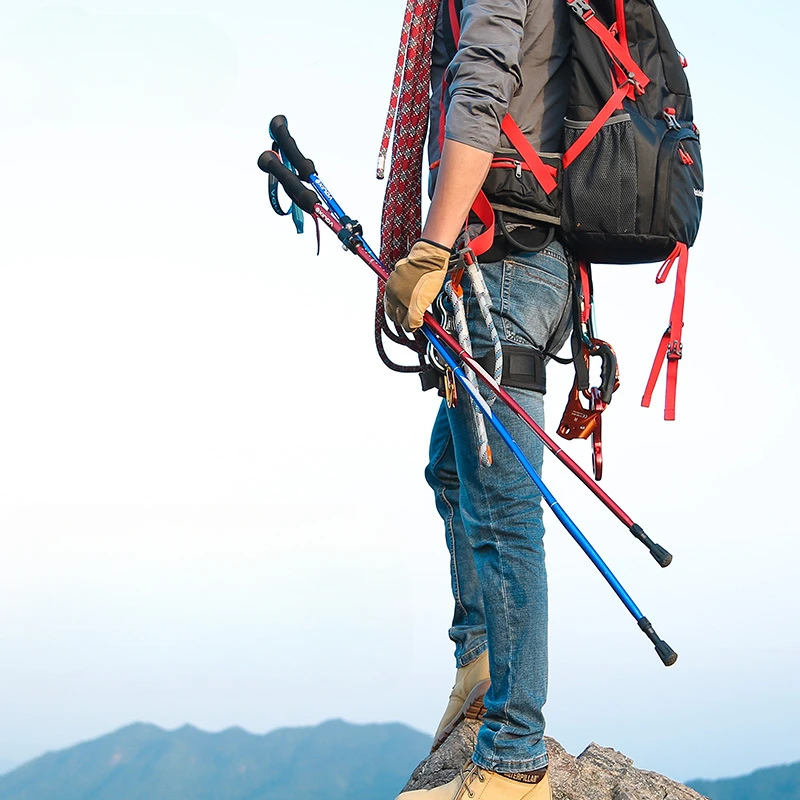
(304, 197)
(279, 131)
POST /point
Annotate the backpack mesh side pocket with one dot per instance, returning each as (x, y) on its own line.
(600, 186)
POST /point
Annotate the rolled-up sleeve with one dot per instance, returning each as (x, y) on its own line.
(485, 73)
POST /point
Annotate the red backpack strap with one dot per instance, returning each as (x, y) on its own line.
(543, 173)
(582, 142)
(618, 51)
(671, 345)
(483, 210)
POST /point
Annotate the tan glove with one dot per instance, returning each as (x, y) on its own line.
(415, 282)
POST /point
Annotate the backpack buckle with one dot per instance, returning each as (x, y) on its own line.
(675, 350)
(671, 119)
(581, 8)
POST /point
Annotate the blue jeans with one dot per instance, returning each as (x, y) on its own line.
(493, 516)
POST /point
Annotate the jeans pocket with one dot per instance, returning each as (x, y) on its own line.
(535, 298)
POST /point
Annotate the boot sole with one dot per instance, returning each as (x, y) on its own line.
(473, 709)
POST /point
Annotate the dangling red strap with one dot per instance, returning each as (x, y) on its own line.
(542, 172)
(656, 370)
(671, 345)
(586, 291)
(482, 208)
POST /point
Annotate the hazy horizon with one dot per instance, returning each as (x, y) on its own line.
(212, 503)
(6, 767)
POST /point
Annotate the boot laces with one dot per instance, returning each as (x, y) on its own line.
(469, 776)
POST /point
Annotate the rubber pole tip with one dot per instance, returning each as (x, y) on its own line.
(662, 556)
(666, 653)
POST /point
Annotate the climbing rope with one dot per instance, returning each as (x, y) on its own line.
(455, 294)
(406, 129)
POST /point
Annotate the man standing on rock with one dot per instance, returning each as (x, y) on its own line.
(509, 56)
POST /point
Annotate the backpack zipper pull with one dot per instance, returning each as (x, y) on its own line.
(518, 169)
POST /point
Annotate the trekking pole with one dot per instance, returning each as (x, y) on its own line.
(308, 200)
(306, 171)
(305, 167)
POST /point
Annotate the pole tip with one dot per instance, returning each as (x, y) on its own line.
(666, 653)
(662, 556)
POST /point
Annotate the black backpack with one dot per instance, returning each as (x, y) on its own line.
(629, 186)
(632, 186)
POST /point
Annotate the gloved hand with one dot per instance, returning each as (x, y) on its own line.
(415, 282)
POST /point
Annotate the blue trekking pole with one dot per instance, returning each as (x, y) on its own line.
(444, 344)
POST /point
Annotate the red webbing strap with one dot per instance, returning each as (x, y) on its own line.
(442, 120)
(543, 173)
(582, 142)
(482, 208)
(614, 48)
(586, 291)
(671, 345)
(455, 22)
(661, 353)
(622, 24)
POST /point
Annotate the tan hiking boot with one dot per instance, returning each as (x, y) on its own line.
(466, 699)
(475, 783)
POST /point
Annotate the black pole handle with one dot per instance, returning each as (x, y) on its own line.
(304, 197)
(279, 131)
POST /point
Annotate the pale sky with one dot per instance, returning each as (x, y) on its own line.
(212, 505)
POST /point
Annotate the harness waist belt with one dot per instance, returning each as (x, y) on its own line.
(523, 368)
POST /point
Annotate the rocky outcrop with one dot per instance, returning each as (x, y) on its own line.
(598, 773)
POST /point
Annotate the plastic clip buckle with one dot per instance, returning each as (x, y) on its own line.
(636, 85)
(581, 8)
(671, 119)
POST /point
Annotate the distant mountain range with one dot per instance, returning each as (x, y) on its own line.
(6, 766)
(772, 783)
(336, 760)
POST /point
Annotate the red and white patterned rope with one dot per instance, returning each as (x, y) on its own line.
(406, 128)
(408, 119)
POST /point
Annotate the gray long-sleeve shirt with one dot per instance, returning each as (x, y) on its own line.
(513, 56)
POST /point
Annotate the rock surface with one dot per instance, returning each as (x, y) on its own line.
(598, 773)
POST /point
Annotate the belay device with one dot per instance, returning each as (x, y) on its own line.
(320, 203)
